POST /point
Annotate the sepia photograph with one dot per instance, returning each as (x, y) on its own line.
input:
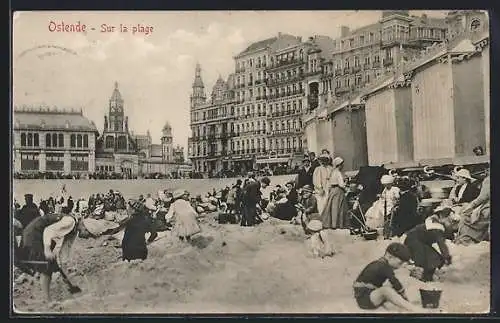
(250, 162)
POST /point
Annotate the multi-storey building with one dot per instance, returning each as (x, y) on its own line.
(256, 94)
(212, 126)
(53, 140)
(285, 75)
(338, 69)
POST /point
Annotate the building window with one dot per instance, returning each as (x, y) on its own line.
(110, 142)
(55, 162)
(36, 141)
(72, 141)
(79, 162)
(61, 140)
(29, 162)
(54, 139)
(86, 141)
(23, 139)
(79, 141)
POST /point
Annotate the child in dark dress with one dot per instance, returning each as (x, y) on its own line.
(134, 240)
(368, 290)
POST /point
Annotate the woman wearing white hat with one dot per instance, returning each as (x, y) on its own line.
(463, 191)
(186, 224)
(321, 177)
(384, 205)
(334, 215)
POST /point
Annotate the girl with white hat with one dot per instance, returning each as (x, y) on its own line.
(186, 224)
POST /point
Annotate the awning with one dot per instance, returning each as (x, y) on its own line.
(273, 160)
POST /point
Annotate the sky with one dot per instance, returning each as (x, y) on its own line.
(154, 72)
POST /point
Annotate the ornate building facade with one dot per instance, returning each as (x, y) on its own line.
(212, 126)
(53, 140)
(116, 149)
(120, 151)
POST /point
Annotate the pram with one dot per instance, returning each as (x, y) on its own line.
(368, 180)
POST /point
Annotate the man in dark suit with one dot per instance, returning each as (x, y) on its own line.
(251, 196)
(314, 160)
(28, 212)
(305, 175)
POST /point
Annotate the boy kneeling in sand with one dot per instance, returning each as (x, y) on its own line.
(368, 289)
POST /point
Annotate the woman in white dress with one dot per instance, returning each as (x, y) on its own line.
(186, 224)
(384, 205)
(321, 178)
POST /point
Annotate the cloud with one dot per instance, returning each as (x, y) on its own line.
(236, 37)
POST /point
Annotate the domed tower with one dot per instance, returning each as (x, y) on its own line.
(166, 143)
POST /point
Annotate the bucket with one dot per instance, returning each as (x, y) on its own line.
(430, 298)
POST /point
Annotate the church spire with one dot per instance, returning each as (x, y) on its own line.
(198, 82)
(198, 96)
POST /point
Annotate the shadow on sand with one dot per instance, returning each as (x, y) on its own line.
(201, 242)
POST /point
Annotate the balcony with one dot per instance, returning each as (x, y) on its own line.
(283, 63)
(388, 61)
(366, 66)
(343, 89)
(312, 100)
(356, 68)
(289, 131)
(376, 64)
(283, 114)
(240, 70)
(291, 79)
(338, 71)
(257, 82)
(250, 83)
(312, 73)
(346, 70)
(285, 94)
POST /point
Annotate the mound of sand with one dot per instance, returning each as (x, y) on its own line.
(233, 269)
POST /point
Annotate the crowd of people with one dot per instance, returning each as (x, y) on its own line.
(320, 198)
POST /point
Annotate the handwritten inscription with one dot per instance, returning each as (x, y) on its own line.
(79, 27)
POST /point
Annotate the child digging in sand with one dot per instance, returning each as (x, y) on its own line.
(368, 290)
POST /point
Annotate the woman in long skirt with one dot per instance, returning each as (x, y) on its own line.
(321, 177)
(334, 215)
(134, 245)
(186, 224)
